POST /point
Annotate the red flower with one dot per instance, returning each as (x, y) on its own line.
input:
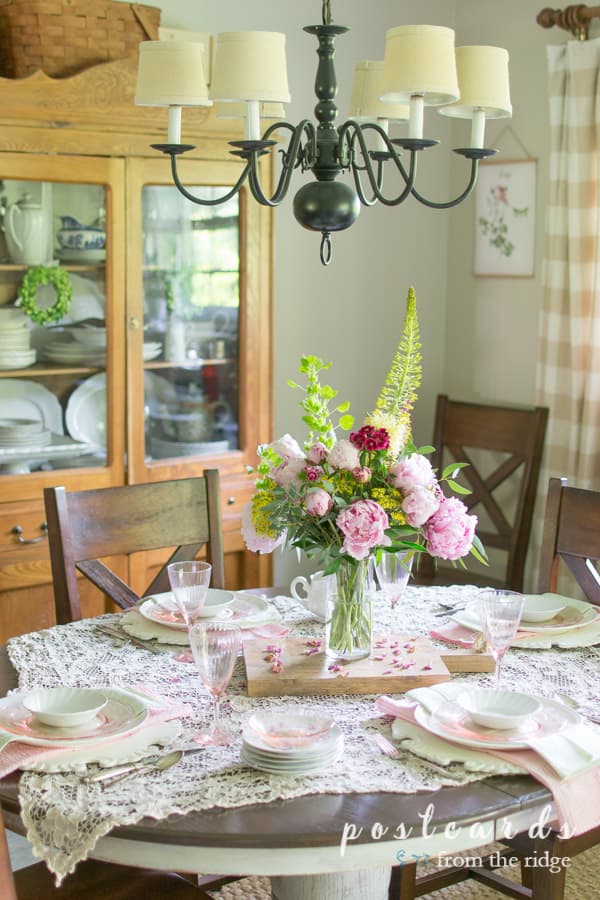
(370, 439)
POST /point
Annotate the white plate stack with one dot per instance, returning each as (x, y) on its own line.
(28, 433)
(316, 755)
(15, 348)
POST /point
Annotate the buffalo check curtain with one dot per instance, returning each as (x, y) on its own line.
(568, 374)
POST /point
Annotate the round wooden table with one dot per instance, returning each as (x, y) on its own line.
(293, 838)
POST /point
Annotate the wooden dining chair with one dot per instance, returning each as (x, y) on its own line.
(571, 535)
(503, 448)
(92, 881)
(85, 527)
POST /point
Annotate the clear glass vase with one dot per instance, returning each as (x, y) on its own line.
(350, 625)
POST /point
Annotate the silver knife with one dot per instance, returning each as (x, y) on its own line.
(118, 635)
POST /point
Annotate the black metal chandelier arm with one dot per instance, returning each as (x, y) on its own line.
(292, 156)
(199, 200)
(450, 203)
(351, 132)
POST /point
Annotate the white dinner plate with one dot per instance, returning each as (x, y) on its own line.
(122, 715)
(552, 718)
(577, 614)
(162, 609)
(86, 411)
(274, 767)
(27, 399)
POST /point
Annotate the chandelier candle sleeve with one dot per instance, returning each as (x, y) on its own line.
(420, 68)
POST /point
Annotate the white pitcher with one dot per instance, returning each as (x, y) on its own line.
(317, 589)
(27, 228)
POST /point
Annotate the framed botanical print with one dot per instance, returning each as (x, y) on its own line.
(505, 218)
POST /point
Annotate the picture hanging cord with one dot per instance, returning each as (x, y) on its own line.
(511, 130)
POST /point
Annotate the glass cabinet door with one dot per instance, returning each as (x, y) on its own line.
(57, 346)
(191, 305)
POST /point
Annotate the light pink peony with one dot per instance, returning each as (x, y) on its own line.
(449, 532)
(414, 471)
(419, 505)
(344, 456)
(287, 447)
(258, 543)
(317, 453)
(288, 472)
(318, 502)
(363, 525)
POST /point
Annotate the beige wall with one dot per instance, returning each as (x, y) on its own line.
(479, 334)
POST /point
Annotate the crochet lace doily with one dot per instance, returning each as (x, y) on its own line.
(65, 817)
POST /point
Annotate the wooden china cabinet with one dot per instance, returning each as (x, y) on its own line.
(180, 295)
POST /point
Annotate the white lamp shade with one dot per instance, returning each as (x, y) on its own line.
(250, 65)
(240, 110)
(171, 73)
(483, 83)
(366, 91)
(420, 60)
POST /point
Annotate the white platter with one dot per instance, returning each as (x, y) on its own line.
(27, 399)
(123, 714)
(86, 411)
(552, 718)
(584, 614)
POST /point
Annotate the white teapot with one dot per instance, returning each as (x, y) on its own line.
(27, 229)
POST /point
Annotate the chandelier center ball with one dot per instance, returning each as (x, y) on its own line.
(326, 206)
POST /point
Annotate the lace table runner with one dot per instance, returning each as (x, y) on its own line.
(64, 817)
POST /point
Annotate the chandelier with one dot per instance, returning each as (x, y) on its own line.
(421, 67)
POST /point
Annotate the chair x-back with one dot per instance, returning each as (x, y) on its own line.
(571, 534)
(503, 448)
(85, 527)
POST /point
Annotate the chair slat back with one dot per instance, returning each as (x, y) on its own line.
(477, 433)
(572, 534)
(86, 526)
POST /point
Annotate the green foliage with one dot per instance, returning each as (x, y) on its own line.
(315, 404)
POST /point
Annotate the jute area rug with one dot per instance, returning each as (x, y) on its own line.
(583, 881)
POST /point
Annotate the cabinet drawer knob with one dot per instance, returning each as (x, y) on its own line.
(230, 501)
(21, 540)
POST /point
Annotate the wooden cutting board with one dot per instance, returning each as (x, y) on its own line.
(400, 663)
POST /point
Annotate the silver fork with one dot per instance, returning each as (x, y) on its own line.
(394, 752)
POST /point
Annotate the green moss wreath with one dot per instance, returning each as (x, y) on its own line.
(61, 282)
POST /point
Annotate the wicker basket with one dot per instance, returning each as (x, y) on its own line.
(62, 37)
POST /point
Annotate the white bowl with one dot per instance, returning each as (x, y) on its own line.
(90, 337)
(64, 707)
(290, 729)
(541, 607)
(498, 709)
(217, 601)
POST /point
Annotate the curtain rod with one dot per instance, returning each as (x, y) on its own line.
(575, 19)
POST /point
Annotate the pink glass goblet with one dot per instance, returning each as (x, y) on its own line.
(215, 647)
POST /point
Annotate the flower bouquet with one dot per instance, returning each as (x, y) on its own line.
(344, 501)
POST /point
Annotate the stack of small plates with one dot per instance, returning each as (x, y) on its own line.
(297, 761)
(23, 433)
(15, 349)
(63, 349)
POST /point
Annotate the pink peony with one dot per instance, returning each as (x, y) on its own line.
(318, 502)
(317, 453)
(449, 532)
(288, 472)
(419, 505)
(414, 471)
(258, 543)
(363, 525)
(362, 474)
(344, 456)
